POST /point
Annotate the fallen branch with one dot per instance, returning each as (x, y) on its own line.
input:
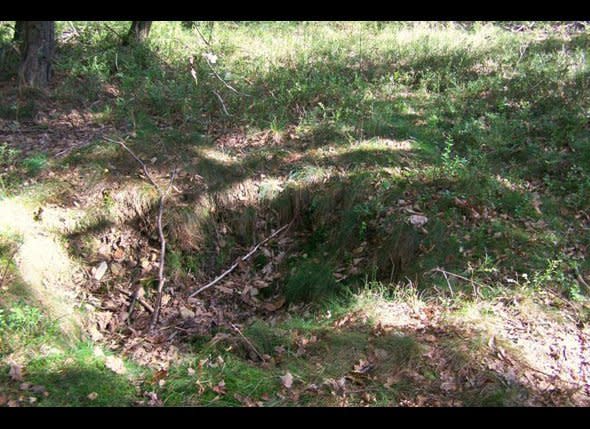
(234, 327)
(583, 282)
(163, 195)
(112, 30)
(135, 297)
(242, 259)
(447, 273)
(222, 103)
(206, 42)
(222, 80)
(161, 278)
(448, 284)
(145, 170)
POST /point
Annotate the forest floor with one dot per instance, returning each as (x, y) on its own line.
(435, 181)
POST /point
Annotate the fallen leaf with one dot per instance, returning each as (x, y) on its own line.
(220, 388)
(448, 386)
(92, 396)
(362, 367)
(16, 372)
(274, 306)
(430, 338)
(418, 220)
(3, 399)
(287, 380)
(154, 401)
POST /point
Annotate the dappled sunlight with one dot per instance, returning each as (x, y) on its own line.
(409, 199)
(43, 264)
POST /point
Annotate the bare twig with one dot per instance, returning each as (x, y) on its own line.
(222, 103)
(132, 295)
(247, 341)
(448, 284)
(447, 273)
(222, 80)
(74, 29)
(112, 30)
(243, 258)
(161, 277)
(206, 42)
(583, 282)
(145, 170)
(163, 195)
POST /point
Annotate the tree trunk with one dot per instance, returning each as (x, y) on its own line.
(138, 32)
(38, 48)
(18, 31)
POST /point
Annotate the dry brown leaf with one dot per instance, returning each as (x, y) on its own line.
(16, 372)
(274, 306)
(287, 380)
(362, 367)
(220, 388)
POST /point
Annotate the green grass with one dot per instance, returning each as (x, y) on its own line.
(74, 375)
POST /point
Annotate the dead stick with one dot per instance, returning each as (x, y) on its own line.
(163, 195)
(247, 341)
(445, 273)
(222, 80)
(582, 281)
(161, 277)
(449, 284)
(138, 299)
(145, 170)
(202, 37)
(233, 267)
(222, 103)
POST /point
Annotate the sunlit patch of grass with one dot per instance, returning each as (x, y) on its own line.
(388, 305)
(22, 327)
(73, 377)
(236, 376)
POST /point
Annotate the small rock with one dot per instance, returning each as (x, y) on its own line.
(101, 270)
(186, 314)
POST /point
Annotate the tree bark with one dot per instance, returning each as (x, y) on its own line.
(38, 48)
(138, 33)
(18, 31)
